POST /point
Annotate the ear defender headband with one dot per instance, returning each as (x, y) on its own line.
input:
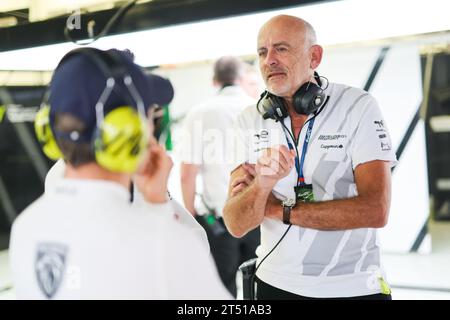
(121, 136)
(306, 100)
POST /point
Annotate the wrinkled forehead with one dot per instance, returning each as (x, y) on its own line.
(273, 33)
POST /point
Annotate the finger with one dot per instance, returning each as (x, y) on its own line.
(264, 160)
(250, 168)
(280, 154)
(287, 154)
(249, 178)
(278, 162)
(242, 180)
(237, 181)
(238, 189)
(263, 170)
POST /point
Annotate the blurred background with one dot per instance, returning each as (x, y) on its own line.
(397, 50)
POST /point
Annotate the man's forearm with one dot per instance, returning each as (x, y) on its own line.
(357, 212)
(245, 211)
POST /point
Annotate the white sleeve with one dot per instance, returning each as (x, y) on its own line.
(190, 269)
(371, 140)
(185, 218)
(191, 146)
(176, 211)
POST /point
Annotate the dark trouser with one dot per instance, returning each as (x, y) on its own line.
(265, 291)
(230, 252)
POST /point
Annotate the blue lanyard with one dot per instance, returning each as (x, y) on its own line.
(299, 164)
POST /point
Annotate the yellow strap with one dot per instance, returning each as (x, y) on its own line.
(2, 112)
(385, 289)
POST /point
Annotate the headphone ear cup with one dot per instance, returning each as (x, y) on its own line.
(44, 134)
(274, 107)
(121, 140)
(308, 98)
(279, 107)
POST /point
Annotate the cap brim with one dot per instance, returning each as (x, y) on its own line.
(161, 90)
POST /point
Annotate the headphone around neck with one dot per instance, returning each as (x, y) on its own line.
(306, 100)
(121, 135)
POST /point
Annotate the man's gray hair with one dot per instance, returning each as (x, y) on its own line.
(227, 70)
(310, 35)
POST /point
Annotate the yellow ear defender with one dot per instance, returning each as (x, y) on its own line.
(121, 136)
(44, 134)
(121, 140)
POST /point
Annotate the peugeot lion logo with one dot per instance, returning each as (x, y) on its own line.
(50, 267)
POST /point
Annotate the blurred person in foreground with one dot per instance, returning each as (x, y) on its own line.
(83, 239)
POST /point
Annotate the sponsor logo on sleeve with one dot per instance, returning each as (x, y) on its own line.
(379, 125)
(385, 146)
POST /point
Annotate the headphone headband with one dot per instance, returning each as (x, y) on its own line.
(102, 59)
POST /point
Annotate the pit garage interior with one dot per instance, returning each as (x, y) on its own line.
(404, 64)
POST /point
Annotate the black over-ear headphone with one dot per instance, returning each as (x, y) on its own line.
(306, 100)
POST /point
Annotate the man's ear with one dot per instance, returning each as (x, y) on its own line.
(316, 56)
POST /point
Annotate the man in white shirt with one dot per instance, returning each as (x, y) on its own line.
(206, 152)
(314, 173)
(82, 239)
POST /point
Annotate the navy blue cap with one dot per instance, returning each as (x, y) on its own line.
(80, 79)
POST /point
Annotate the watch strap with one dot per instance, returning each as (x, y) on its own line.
(287, 214)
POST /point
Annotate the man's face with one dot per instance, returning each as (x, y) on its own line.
(283, 59)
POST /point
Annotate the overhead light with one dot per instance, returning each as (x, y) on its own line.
(45, 9)
(336, 22)
(8, 22)
(440, 123)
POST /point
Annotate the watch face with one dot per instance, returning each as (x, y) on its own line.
(288, 203)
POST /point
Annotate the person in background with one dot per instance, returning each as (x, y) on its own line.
(251, 81)
(208, 131)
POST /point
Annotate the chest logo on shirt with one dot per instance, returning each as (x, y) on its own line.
(330, 137)
(50, 267)
(261, 140)
(331, 146)
(332, 141)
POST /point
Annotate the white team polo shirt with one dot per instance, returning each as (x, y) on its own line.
(349, 131)
(180, 213)
(207, 141)
(84, 240)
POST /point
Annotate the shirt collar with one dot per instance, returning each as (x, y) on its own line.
(231, 90)
(100, 189)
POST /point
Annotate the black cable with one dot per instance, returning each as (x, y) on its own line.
(259, 264)
(119, 14)
(288, 228)
(298, 175)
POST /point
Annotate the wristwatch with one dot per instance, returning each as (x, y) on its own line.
(287, 205)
